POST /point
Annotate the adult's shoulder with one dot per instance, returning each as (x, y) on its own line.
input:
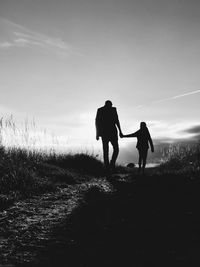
(99, 109)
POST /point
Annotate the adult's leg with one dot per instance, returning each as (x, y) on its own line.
(140, 160)
(115, 145)
(105, 143)
(144, 159)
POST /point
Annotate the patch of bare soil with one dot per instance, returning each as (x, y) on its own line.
(26, 227)
(151, 220)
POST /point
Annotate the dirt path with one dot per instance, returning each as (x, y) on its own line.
(26, 227)
(148, 221)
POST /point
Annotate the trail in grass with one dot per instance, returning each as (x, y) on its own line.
(26, 226)
(150, 220)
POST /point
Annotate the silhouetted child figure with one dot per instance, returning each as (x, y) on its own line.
(143, 141)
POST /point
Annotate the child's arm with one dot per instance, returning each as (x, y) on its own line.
(130, 135)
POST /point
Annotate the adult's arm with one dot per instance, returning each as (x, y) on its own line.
(118, 123)
(97, 125)
(151, 143)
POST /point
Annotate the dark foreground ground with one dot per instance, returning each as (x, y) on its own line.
(129, 220)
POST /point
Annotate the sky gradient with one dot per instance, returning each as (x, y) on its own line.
(60, 61)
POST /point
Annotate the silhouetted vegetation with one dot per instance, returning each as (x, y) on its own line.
(24, 173)
(182, 158)
(59, 207)
(84, 163)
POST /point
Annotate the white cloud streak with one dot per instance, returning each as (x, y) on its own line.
(171, 98)
(171, 131)
(24, 37)
(5, 44)
(178, 96)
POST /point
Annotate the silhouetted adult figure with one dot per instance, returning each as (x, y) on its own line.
(107, 123)
(143, 141)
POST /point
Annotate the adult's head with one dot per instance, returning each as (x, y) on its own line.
(143, 125)
(108, 104)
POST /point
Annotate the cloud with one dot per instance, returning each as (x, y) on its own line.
(170, 98)
(5, 44)
(20, 42)
(165, 132)
(194, 130)
(20, 36)
(177, 96)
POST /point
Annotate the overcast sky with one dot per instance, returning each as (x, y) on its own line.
(60, 61)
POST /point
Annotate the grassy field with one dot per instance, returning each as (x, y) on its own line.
(182, 158)
(61, 209)
(25, 173)
(30, 166)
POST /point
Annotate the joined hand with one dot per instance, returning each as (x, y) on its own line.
(121, 135)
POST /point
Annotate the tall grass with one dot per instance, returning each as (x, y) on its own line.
(26, 170)
(24, 173)
(182, 157)
(25, 134)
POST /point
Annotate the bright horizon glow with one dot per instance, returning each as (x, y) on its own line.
(61, 60)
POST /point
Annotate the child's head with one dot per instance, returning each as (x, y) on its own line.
(143, 125)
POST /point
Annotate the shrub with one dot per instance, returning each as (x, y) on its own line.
(84, 163)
